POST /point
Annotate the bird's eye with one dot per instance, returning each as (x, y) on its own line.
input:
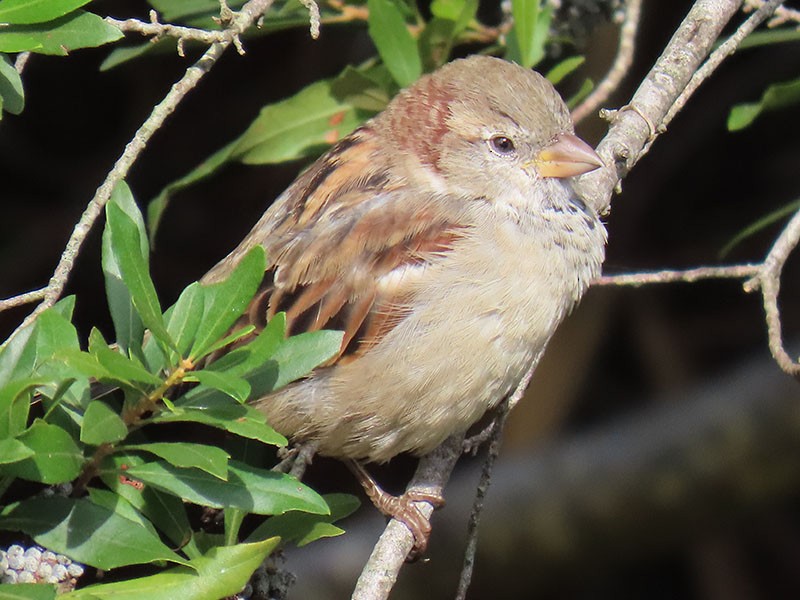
(501, 145)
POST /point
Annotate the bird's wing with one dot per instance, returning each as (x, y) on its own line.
(345, 244)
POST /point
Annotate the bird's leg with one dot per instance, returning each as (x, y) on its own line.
(402, 507)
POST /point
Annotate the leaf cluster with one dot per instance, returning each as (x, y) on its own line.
(130, 488)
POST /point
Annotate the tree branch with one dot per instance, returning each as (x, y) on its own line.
(715, 60)
(672, 276)
(159, 30)
(622, 63)
(769, 280)
(782, 14)
(396, 541)
(239, 22)
(631, 130)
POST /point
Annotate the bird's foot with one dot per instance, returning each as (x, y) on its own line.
(402, 508)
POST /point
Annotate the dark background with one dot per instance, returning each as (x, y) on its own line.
(659, 446)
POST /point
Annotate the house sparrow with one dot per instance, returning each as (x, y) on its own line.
(443, 238)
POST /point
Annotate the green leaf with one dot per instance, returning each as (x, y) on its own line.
(86, 532)
(119, 505)
(225, 301)
(760, 225)
(235, 387)
(297, 127)
(528, 35)
(223, 413)
(245, 359)
(221, 573)
(12, 451)
(183, 317)
(123, 368)
(126, 246)
(564, 68)
(777, 95)
(297, 357)
(78, 29)
(769, 36)
(102, 424)
(367, 88)
(396, 46)
(18, 354)
(210, 459)
(128, 325)
(294, 358)
(450, 19)
(14, 405)
(165, 511)
(77, 363)
(27, 361)
(233, 523)
(459, 11)
(11, 92)
(304, 528)
(31, 349)
(232, 337)
(248, 488)
(55, 334)
(586, 87)
(25, 12)
(56, 457)
(27, 591)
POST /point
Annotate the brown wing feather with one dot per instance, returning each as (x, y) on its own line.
(333, 234)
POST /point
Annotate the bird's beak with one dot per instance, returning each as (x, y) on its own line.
(568, 156)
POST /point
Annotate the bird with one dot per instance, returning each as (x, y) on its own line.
(444, 239)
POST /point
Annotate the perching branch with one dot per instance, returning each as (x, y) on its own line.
(390, 552)
(632, 129)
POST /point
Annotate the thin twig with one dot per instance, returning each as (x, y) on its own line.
(242, 20)
(313, 17)
(468, 564)
(782, 14)
(726, 49)
(620, 67)
(769, 280)
(158, 29)
(687, 275)
(765, 276)
(21, 61)
(19, 300)
(495, 439)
